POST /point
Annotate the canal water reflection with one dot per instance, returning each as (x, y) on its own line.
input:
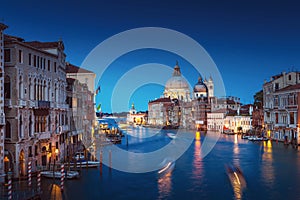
(271, 171)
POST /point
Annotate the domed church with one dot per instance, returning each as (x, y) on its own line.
(178, 108)
(177, 87)
(200, 89)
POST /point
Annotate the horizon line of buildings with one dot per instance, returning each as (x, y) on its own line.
(197, 109)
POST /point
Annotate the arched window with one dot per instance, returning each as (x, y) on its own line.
(20, 127)
(21, 92)
(7, 87)
(49, 123)
(49, 92)
(30, 89)
(30, 126)
(7, 130)
(35, 89)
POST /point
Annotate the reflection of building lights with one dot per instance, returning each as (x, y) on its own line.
(235, 139)
(198, 136)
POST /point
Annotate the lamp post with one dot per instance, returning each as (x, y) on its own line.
(56, 153)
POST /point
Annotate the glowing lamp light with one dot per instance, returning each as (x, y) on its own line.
(6, 159)
(56, 151)
(197, 136)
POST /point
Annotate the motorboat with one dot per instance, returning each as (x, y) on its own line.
(255, 138)
(57, 174)
(79, 156)
(167, 167)
(171, 135)
(84, 164)
(237, 179)
(246, 136)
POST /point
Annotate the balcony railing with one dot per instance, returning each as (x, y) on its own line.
(32, 104)
(21, 103)
(44, 104)
(7, 102)
(53, 104)
(43, 135)
(2, 119)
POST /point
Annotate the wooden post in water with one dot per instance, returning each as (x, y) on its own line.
(101, 162)
(110, 162)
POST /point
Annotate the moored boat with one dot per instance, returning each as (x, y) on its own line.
(57, 174)
(84, 164)
(255, 138)
(171, 135)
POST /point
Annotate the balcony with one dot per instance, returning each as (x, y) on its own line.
(43, 135)
(62, 106)
(21, 103)
(2, 119)
(7, 102)
(65, 128)
(32, 104)
(43, 104)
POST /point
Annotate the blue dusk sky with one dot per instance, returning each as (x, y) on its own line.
(249, 41)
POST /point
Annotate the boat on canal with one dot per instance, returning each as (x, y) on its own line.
(171, 135)
(84, 164)
(57, 174)
(167, 167)
(255, 138)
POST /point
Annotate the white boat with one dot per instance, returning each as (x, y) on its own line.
(57, 174)
(85, 164)
(255, 138)
(246, 136)
(171, 135)
(79, 156)
(167, 166)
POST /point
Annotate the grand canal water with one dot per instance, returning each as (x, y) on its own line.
(271, 171)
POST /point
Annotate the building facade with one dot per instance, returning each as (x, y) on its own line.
(35, 103)
(3, 157)
(81, 115)
(238, 123)
(281, 106)
(136, 118)
(281, 111)
(215, 121)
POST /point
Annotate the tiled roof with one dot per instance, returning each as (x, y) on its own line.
(11, 37)
(44, 45)
(161, 100)
(74, 69)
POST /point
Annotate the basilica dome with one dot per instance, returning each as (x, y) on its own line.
(200, 86)
(177, 87)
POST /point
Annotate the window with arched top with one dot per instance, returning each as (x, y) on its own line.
(21, 88)
(7, 130)
(30, 126)
(7, 87)
(20, 127)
